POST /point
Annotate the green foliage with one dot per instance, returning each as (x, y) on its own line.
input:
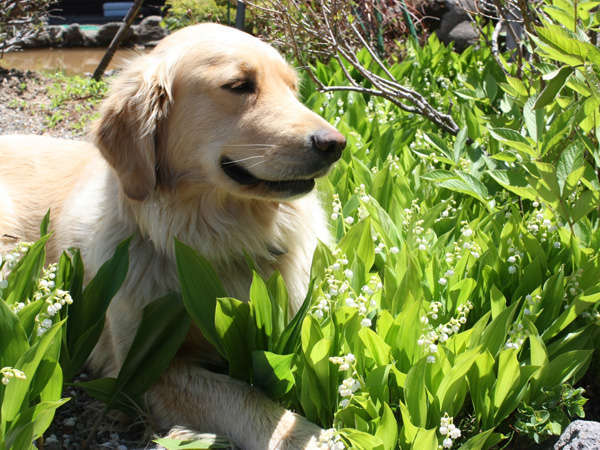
(75, 98)
(463, 289)
(30, 342)
(181, 13)
(547, 416)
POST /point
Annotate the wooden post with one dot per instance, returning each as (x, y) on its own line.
(240, 15)
(112, 48)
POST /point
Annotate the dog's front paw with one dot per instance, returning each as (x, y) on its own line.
(296, 432)
(186, 435)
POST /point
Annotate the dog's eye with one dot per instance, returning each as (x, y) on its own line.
(240, 87)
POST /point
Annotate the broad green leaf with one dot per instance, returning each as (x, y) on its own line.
(360, 439)
(514, 139)
(387, 430)
(22, 279)
(494, 335)
(273, 373)
(514, 180)
(200, 288)
(289, 340)
(425, 440)
(555, 82)
(198, 443)
(44, 225)
(415, 394)
(261, 309)
(17, 391)
(162, 330)
(232, 322)
(508, 376)
(13, 340)
(534, 120)
(86, 317)
(378, 350)
(563, 368)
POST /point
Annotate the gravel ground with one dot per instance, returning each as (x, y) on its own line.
(24, 105)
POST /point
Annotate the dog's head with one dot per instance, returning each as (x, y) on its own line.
(212, 106)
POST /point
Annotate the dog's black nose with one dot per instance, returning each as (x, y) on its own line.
(328, 141)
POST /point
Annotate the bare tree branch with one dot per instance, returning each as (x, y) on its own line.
(338, 29)
(20, 21)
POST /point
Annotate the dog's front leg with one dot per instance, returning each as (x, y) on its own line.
(189, 396)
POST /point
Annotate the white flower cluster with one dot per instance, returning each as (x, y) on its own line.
(330, 440)
(513, 259)
(516, 336)
(449, 211)
(9, 373)
(443, 331)
(448, 430)
(363, 213)
(12, 258)
(532, 304)
(410, 213)
(377, 111)
(539, 225)
(348, 387)
(344, 362)
(54, 298)
(380, 247)
(573, 288)
(336, 207)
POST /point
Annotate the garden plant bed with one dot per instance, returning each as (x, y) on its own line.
(459, 302)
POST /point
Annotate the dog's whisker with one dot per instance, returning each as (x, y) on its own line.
(256, 164)
(242, 159)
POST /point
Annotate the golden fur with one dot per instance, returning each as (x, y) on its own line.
(202, 139)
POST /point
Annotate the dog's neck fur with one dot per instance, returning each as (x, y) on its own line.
(221, 227)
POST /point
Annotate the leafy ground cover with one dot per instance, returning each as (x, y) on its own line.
(459, 304)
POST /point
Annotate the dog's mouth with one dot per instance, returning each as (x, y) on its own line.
(244, 178)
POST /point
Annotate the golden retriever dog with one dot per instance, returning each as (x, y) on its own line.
(201, 139)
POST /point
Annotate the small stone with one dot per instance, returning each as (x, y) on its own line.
(580, 435)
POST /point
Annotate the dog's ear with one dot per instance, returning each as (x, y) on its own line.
(130, 120)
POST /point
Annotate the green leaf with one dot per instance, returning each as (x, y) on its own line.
(415, 394)
(377, 349)
(290, 338)
(563, 368)
(17, 391)
(86, 317)
(261, 310)
(387, 430)
(425, 440)
(534, 120)
(273, 373)
(22, 280)
(494, 335)
(360, 439)
(162, 330)
(208, 442)
(13, 340)
(200, 288)
(508, 376)
(44, 225)
(514, 139)
(498, 301)
(478, 441)
(555, 82)
(514, 180)
(232, 321)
